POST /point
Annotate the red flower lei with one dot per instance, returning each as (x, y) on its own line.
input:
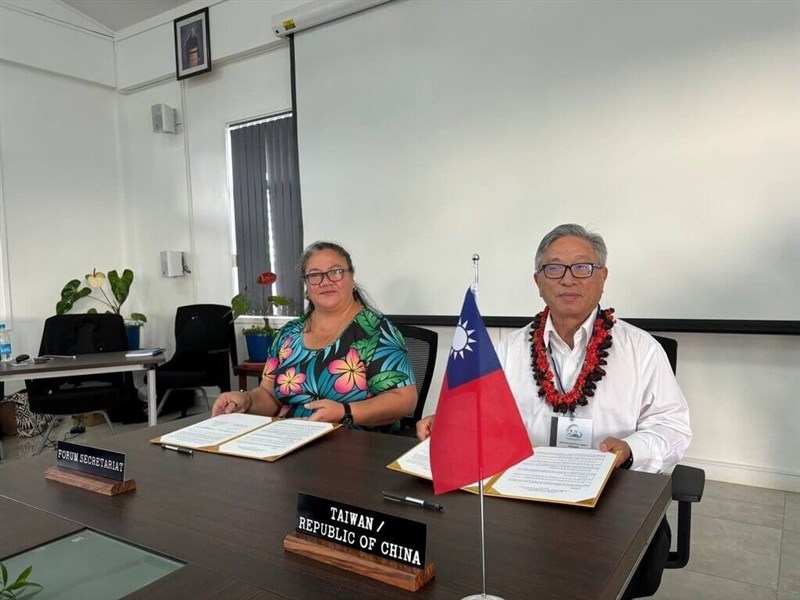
(591, 373)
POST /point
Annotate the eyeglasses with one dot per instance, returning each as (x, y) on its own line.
(332, 275)
(578, 270)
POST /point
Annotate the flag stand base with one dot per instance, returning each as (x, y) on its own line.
(388, 571)
(481, 597)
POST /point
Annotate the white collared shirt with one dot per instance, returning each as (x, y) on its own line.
(638, 400)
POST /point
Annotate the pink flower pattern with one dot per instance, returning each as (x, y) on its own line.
(269, 368)
(285, 351)
(290, 382)
(352, 372)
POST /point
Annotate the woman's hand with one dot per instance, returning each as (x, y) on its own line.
(231, 402)
(327, 411)
(424, 427)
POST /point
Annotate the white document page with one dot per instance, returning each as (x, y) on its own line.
(557, 474)
(279, 438)
(417, 461)
(214, 431)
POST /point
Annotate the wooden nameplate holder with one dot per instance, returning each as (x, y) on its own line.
(93, 483)
(349, 559)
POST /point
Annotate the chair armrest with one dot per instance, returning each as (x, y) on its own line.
(688, 484)
(687, 488)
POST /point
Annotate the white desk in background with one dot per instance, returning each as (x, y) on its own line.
(91, 364)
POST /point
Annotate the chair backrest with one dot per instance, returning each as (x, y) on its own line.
(671, 348)
(83, 334)
(202, 328)
(75, 334)
(422, 345)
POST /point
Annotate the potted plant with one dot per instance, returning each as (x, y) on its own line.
(258, 337)
(112, 291)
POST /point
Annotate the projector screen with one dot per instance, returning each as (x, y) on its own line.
(431, 131)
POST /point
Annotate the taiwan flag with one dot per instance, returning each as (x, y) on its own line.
(477, 431)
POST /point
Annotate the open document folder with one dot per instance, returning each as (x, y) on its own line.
(251, 436)
(562, 475)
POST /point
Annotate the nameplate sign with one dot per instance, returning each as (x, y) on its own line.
(94, 461)
(377, 533)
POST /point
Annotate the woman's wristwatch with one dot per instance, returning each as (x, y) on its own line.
(347, 419)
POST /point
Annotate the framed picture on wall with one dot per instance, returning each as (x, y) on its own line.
(192, 44)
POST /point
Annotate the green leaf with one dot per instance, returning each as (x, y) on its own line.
(21, 579)
(240, 305)
(279, 300)
(71, 293)
(366, 348)
(24, 575)
(369, 321)
(120, 286)
(92, 311)
(138, 317)
(3, 574)
(385, 381)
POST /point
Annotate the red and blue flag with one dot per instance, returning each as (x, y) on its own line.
(478, 430)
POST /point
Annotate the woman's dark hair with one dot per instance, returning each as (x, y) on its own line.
(358, 294)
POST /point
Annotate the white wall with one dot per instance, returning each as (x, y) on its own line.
(175, 186)
(60, 187)
(670, 127)
(72, 149)
(56, 39)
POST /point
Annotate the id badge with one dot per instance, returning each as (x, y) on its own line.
(571, 432)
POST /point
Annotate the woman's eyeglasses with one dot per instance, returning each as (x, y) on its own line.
(332, 275)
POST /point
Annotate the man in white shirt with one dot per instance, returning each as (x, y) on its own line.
(580, 376)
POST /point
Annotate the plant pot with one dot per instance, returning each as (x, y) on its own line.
(133, 336)
(258, 345)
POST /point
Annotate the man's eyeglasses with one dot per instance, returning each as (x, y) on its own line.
(578, 270)
(332, 275)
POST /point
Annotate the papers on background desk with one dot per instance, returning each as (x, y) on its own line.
(562, 475)
(144, 352)
(251, 436)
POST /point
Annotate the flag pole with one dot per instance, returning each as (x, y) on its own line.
(474, 287)
(482, 595)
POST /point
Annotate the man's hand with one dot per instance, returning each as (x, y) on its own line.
(612, 444)
(424, 427)
(328, 411)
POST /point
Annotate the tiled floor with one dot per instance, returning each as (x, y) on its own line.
(745, 540)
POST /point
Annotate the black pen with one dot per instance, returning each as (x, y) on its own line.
(415, 501)
(178, 449)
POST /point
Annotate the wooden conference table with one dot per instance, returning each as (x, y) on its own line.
(90, 364)
(227, 517)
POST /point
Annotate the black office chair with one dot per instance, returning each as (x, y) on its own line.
(422, 346)
(84, 394)
(204, 338)
(687, 482)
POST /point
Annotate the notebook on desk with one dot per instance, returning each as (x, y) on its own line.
(144, 352)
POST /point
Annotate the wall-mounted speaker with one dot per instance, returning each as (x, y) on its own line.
(163, 118)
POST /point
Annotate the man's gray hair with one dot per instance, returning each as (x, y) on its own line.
(572, 230)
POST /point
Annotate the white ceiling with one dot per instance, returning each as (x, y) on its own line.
(119, 14)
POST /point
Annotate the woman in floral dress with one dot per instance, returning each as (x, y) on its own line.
(341, 362)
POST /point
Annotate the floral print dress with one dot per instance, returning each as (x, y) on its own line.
(369, 357)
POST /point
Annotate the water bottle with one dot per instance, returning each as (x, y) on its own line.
(5, 344)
